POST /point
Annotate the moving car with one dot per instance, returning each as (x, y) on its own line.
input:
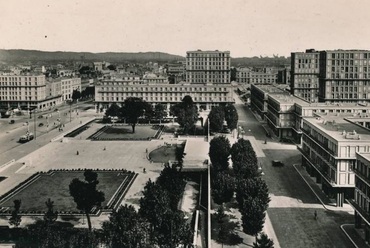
(277, 163)
(26, 138)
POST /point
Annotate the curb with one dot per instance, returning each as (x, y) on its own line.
(349, 237)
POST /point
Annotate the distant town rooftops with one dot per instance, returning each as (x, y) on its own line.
(207, 51)
(340, 128)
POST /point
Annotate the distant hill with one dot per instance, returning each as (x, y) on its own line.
(19, 56)
(35, 55)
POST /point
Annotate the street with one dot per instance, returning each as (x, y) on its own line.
(10, 133)
(293, 204)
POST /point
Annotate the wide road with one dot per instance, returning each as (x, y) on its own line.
(10, 148)
(292, 203)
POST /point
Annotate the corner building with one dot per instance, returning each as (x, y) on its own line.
(329, 146)
(208, 67)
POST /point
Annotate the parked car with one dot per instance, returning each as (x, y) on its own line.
(41, 124)
(277, 163)
(40, 116)
(11, 121)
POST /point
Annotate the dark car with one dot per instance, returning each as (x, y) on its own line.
(41, 124)
(277, 163)
(11, 121)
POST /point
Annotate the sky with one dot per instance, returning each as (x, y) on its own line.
(244, 27)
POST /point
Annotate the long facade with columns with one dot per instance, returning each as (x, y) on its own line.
(117, 91)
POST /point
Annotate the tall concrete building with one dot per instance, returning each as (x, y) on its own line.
(333, 76)
(208, 67)
(344, 76)
(304, 81)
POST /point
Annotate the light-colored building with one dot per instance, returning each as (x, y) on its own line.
(68, 86)
(361, 200)
(26, 92)
(242, 75)
(329, 146)
(204, 95)
(208, 67)
(153, 78)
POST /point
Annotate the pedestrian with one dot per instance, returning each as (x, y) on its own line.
(315, 214)
(146, 150)
(77, 153)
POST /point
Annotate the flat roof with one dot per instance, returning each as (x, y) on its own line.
(208, 51)
(339, 128)
(270, 88)
(365, 155)
(287, 98)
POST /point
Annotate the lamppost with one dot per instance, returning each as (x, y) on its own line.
(34, 122)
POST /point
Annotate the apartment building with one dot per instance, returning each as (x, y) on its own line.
(204, 95)
(344, 76)
(26, 91)
(254, 76)
(331, 76)
(329, 146)
(208, 67)
(361, 201)
(304, 82)
(68, 85)
(242, 75)
(279, 109)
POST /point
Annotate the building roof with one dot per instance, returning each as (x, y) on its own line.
(365, 155)
(340, 128)
(287, 99)
(208, 51)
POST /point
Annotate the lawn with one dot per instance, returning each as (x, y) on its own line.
(56, 187)
(125, 133)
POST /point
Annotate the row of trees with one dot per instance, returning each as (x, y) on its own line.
(133, 108)
(244, 179)
(219, 114)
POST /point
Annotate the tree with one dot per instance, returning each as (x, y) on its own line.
(221, 219)
(252, 197)
(134, 108)
(255, 188)
(219, 152)
(111, 67)
(186, 113)
(174, 183)
(160, 112)
(216, 118)
(263, 242)
(51, 215)
(233, 73)
(223, 187)
(253, 216)
(125, 228)
(113, 110)
(85, 194)
(15, 218)
(231, 116)
(76, 94)
(154, 204)
(244, 159)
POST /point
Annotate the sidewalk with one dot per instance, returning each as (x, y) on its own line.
(329, 204)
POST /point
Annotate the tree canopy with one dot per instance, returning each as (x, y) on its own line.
(85, 194)
(263, 242)
(160, 111)
(216, 118)
(126, 228)
(245, 163)
(113, 110)
(51, 215)
(186, 112)
(219, 152)
(134, 108)
(76, 94)
(231, 116)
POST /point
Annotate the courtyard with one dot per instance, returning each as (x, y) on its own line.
(124, 132)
